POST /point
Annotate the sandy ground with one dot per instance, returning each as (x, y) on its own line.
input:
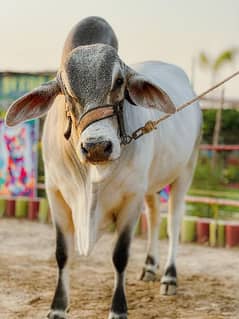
(208, 279)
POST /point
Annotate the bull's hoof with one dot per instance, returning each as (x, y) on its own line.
(168, 289)
(148, 275)
(57, 314)
(168, 285)
(150, 269)
(113, 315)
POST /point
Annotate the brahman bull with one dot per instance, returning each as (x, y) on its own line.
(93, 177)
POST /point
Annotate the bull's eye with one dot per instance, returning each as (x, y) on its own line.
(118, 83)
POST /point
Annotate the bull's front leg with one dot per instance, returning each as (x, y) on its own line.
(64, 243)
(120, 259)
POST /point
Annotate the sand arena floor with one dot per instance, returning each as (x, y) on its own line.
(208, 279)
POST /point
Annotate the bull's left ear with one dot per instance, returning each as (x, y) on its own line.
(32, 105)
(145, 93)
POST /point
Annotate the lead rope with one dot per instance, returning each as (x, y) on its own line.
(153, 125)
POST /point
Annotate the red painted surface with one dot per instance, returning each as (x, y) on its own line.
(233, 185)
(203, 231)
(33, 208)
(219, 147)
(144, 224)
(232, 235)
(233, 161)
(10, 207)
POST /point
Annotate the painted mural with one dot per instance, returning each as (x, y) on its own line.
(18, 159)
(18, 146)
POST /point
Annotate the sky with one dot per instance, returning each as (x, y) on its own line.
(32, 32)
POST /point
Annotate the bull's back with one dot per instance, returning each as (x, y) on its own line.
(177, 137)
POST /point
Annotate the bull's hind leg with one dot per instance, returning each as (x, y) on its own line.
(152, 259)
(62, 219)
(176, 211)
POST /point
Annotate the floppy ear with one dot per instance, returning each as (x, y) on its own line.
(145, 93)
(33, 104)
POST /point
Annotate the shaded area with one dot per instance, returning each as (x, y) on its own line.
(208, 279)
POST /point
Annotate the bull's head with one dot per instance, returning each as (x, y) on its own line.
(92, 76)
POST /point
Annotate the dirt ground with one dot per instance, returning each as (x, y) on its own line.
(208, 279)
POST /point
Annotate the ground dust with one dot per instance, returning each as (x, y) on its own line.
(208, 279)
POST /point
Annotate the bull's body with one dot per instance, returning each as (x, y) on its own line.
(145, 166)
(91, 179)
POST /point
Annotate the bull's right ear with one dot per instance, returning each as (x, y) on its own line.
(32, 105)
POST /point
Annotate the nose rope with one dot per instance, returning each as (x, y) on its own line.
(103, 112)
(94, 115)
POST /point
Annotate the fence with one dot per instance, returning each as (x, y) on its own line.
(194, 229)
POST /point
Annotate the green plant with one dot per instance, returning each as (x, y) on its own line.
(199, 210)
(205, 177)
(231, 174)
(229, 128)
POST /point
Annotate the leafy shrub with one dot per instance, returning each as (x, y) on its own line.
(229, 126)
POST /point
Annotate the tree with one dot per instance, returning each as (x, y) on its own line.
(214, 66)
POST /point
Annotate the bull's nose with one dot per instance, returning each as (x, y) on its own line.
(96, 152)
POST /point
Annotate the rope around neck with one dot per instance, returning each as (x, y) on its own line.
(153, 125)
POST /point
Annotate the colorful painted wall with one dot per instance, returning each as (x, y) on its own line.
(18, 159)
(18, 146)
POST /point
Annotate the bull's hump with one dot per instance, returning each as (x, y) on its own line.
(89, 31)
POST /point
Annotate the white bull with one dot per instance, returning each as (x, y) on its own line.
(91, 178)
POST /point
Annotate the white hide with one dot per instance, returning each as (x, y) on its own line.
(96, 194)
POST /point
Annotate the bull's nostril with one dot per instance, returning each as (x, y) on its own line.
(97, 151)
(84, 150)
(108, 148)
